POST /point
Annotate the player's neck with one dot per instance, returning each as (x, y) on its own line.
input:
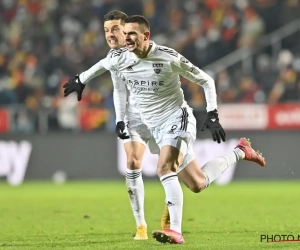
(144, 52)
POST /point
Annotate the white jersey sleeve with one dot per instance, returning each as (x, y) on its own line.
(108, 63)
(119, 95)
(191, 72)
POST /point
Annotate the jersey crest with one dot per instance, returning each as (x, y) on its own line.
(157, 67)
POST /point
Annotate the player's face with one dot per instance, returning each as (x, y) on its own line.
(135, 38)
(114, 34)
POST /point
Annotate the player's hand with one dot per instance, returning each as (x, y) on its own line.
(120, 130)
(212, 123)
(73, 85)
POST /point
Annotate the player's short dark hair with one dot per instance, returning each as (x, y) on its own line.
(115, 15)
(141, 20)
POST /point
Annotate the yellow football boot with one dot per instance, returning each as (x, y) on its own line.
(141, 233)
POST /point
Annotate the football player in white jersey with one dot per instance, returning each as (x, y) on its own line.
(134, 134)
(151, 73)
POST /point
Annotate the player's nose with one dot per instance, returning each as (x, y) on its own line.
(127, 37)
(110, 34)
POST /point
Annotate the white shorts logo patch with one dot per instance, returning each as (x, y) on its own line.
(172, 130)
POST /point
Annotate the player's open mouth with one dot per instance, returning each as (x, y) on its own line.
(113, 41)
(130, 44)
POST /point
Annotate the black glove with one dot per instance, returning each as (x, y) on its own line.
(119, 131)
(212, 123)
(73, 85)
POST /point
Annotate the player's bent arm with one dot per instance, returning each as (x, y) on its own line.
(120, 97)
(194, 74)
(77, 83)
(191, 72)
(108, 63)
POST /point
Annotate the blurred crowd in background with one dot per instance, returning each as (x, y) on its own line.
(43, 43)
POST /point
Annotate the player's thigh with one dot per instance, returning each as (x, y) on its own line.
(169, 160)
(192, 176)
(137, 131)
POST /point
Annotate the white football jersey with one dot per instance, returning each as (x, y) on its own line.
(153, 82)
(121, 95)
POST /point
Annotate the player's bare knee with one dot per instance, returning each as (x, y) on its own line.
(197, 187)
(133, 163)
(166, 168)
(160, 171)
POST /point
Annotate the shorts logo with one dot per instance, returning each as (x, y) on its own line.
(157, 67)
(172, 130)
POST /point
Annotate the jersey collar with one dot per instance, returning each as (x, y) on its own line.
(153, 48)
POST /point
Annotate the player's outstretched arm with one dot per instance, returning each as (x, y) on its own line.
(77, 83)
(191, 72)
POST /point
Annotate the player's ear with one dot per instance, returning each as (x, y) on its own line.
(146, 35)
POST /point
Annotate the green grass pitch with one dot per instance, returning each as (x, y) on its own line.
(97, 215)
